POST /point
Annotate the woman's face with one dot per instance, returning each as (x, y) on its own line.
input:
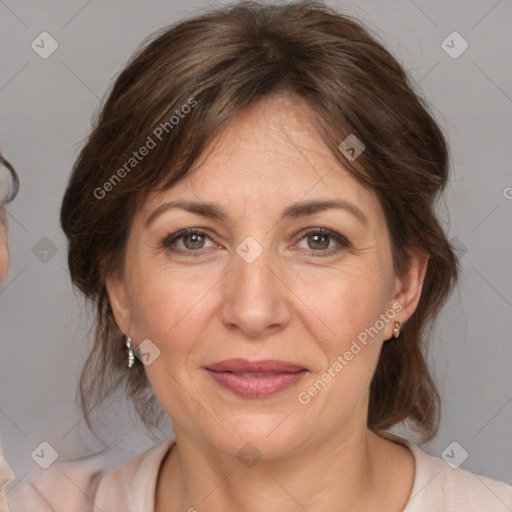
(4, 251)
(270, 276)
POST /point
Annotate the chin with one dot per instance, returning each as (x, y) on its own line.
(268, 436)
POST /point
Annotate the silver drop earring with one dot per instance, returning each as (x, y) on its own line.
(396, 330)
(131, 356)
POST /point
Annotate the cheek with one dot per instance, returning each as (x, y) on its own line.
(345, 302)
(170, 308)
(174, 311)
(350, 315)
(4, 255)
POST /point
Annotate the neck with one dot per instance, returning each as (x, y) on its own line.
(349, 472)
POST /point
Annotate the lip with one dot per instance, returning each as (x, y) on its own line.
(266, 377)
(262, 366)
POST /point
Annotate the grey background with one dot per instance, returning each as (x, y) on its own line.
(47, 106)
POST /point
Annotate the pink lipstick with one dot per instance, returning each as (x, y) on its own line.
(255, 379)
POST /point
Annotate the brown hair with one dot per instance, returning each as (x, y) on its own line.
(219, 64)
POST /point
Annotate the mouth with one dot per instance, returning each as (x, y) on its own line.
(256, 379)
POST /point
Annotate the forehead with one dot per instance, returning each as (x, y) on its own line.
(266, 158)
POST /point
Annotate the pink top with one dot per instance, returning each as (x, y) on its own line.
(6, 475)
(80, 486)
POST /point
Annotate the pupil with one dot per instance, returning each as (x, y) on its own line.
(193, 240)
(320, 238)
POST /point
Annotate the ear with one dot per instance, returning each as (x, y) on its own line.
(408, 288)
(118, 298)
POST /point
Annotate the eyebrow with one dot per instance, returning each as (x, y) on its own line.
(294, 211)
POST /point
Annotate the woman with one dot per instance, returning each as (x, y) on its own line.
(8, 189)
(253, 217)
(36, 492)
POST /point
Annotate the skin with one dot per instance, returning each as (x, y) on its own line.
(4, 251)
(4, 266)
(293, 303)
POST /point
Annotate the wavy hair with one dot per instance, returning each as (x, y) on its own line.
(227, 60)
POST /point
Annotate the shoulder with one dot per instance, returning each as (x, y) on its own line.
(62, 487)
(83, 485)
(131, 486)
(455, 489)
(6, 475)
(440, 487)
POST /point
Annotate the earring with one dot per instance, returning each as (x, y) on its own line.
(396, 330)
(131, 356)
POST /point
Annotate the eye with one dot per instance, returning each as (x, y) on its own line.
(187, 241)
(191, 242)
(324, 241)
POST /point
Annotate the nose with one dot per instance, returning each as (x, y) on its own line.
(256, 300)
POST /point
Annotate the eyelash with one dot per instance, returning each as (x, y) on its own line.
(341, 240)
